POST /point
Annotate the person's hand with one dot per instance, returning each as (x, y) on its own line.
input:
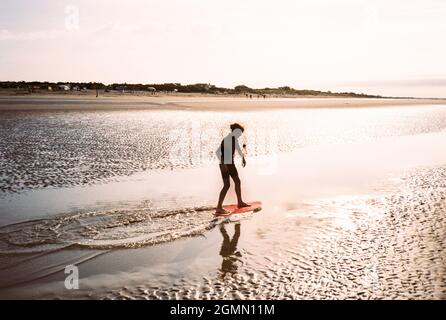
(243, 162)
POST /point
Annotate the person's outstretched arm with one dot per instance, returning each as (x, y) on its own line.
(240, 152)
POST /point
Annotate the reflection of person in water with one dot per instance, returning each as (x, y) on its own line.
(228, 250)
(225, 154)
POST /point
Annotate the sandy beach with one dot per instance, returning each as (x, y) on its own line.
(353, 199)
(187, 151)
(192, 102)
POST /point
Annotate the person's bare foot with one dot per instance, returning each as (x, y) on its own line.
(243, 205)
(221, 212)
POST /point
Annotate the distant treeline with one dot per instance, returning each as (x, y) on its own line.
(172, 87)
(38, 85)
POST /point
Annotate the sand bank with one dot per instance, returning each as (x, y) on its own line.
(198, 103)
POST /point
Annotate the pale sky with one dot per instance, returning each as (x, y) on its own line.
(390, 47)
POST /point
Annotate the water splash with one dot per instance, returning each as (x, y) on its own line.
(120, 228)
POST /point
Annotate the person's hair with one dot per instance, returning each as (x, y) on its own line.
(237, 126)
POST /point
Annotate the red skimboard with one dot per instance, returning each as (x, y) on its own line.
(234, 209)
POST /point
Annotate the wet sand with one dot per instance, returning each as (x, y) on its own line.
(354, 234)
(393, 248)
(63, 148)
(353, 209)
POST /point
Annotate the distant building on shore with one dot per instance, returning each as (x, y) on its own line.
(63, 87)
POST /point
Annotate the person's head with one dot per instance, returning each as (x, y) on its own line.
(237, 129)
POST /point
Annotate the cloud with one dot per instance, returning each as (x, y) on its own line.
(100, 31)
(426, 82)
(6, 35)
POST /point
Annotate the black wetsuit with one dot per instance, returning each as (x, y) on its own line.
(228, 169)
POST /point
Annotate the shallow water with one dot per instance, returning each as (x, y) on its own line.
(85, 187)
(41, 149)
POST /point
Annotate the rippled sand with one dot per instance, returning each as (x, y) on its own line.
(353, 208)
(44, 149)
(395, 249)
(389, 245)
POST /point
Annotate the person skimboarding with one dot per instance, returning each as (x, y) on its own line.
(225, 153)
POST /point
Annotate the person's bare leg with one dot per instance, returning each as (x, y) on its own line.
(238, 192)
(222, 196)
